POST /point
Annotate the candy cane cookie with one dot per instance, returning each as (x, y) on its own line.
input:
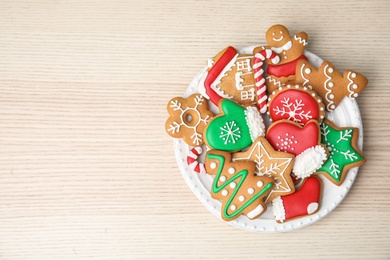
(192, 160)
(259, 76)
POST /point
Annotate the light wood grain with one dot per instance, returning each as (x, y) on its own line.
(86, 168)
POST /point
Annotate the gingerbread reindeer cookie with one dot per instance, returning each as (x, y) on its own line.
(330, 85)
(290, 50)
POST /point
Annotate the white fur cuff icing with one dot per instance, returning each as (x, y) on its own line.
(278, 209)
(255, 122)
(309, 161)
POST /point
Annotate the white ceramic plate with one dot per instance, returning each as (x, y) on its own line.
(346, 114)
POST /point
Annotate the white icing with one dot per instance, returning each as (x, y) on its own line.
(213, 165)
(350, 84)
(303, 75)
(255, 122)
(260, 184)
(210, 62)
(231, 170)
(233, 207)
(257, 211)
(285, 47)
(278, 209)
(223, 73)
(241, 198)
(301, 40)
(225, 193)
(239, 80)
(233, 185)
(312, 208)
(309, 161)
(222, 178)
(251, 190)
(330, 105)
(278, 39)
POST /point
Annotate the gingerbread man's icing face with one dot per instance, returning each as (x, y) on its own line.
(277, 35)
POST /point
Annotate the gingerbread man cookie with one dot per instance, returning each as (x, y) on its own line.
(188, 118)
(329, 83)
(236, 185)
(290, 50)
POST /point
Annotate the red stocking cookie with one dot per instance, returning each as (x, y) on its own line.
(295, 103)
(305, 201)
(303, 142)
(329, 83)
(236, 185)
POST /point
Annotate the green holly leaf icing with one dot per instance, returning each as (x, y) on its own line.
(229, 131)
(341, 150)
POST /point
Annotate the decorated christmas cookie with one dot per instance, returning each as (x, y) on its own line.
(329, 83)
(277, 165)
(295, 103)
(305, 201)
(237, 166)
(341, 143)
(188, 118)
(235, 128)
(230, 76)
(236, 185)
(302, 141)
(290, 50)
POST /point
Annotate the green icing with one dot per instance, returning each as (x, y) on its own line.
(241, 176)
(229, 132)
(339, 144)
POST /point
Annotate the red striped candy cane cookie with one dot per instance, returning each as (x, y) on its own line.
(192, 160)
(259, 76)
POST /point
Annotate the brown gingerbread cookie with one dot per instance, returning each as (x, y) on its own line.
(290, 50)
(270, 163)
(188, 118)
(230, 76)
(236, 185)
(329, 83)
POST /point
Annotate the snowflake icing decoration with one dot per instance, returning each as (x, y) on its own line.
(294, 110)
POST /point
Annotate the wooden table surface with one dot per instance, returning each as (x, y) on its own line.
(86, 168)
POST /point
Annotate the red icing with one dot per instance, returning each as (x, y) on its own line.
(294, 105)
(214, 72)
(290, 137)
(284, 70)
(296, 204)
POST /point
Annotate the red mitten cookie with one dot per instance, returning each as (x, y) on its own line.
(303, 142)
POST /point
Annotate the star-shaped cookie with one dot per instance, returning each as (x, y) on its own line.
(344, 152)
(271, 163)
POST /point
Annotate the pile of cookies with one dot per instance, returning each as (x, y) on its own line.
(255, 166)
